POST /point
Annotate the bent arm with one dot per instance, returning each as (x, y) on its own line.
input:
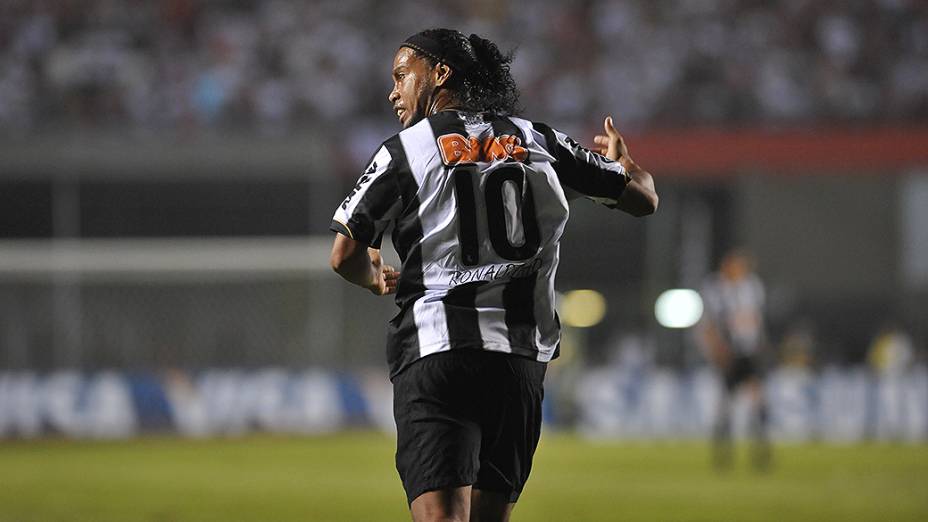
(639, 197)
(610, 178)
(362, 266)
(350, 260)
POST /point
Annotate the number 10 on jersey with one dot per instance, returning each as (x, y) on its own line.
(510, 209)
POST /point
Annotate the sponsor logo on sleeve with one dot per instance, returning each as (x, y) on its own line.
(367, 176)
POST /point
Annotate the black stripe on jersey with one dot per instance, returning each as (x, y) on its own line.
(503, 125)
(338, 226)
(461, 315)
(519, 302)
(403, 340)
(408, 231)
(375, 204)
(447, 122)
(584, 177)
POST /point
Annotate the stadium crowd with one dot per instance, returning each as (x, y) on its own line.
(276, 65)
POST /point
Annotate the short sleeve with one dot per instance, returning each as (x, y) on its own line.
(372, 204)
(583, 171)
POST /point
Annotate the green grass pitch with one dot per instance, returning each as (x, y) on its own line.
(350, 477)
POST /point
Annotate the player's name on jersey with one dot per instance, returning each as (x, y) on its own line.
(495, 272)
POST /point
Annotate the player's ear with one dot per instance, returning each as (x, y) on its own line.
(441, 74)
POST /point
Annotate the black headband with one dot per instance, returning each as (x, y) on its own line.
(435, 51)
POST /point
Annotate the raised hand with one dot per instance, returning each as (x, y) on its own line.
(639, 197)
(611, 145)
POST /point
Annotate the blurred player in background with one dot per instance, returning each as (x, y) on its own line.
(478, 200)
(733, 332)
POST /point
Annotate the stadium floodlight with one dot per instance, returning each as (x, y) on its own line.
(678, 308)
(583, 308)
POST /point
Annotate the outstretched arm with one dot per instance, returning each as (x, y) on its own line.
(639, 197)
(363, 266)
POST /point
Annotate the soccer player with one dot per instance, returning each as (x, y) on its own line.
(477, 199)
(733, 333)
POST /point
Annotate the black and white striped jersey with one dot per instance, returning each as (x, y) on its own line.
(736, 309)
(478, 204)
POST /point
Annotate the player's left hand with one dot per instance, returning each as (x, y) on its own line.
(611, 145)
(385, 276)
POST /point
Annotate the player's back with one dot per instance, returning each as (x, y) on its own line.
(479, 204)
(491, 212)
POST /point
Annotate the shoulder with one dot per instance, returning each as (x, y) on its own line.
(406, 134)
(418, 127)
(391, 148)
(539, 127)
(527, 124)
(414, 136)
(411, 152)
(534, 132)
(543, 134)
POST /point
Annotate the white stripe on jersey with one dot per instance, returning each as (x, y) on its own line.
(435, 213)
(534, 141)
(492, 319)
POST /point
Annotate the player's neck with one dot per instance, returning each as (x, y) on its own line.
(444, 100)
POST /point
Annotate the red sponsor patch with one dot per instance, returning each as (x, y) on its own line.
(457, 149)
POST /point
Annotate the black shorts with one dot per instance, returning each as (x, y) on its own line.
(742, 368)
(467, 417)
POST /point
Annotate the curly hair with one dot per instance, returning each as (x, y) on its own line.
(480, 71)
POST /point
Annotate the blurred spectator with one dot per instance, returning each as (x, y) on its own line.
(271, 65)
(797, 348)
(891, 359)
(892, 351)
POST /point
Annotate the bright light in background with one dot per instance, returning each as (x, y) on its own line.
(678, 308)
(583, 308)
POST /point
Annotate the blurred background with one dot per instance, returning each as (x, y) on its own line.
(168, 170)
